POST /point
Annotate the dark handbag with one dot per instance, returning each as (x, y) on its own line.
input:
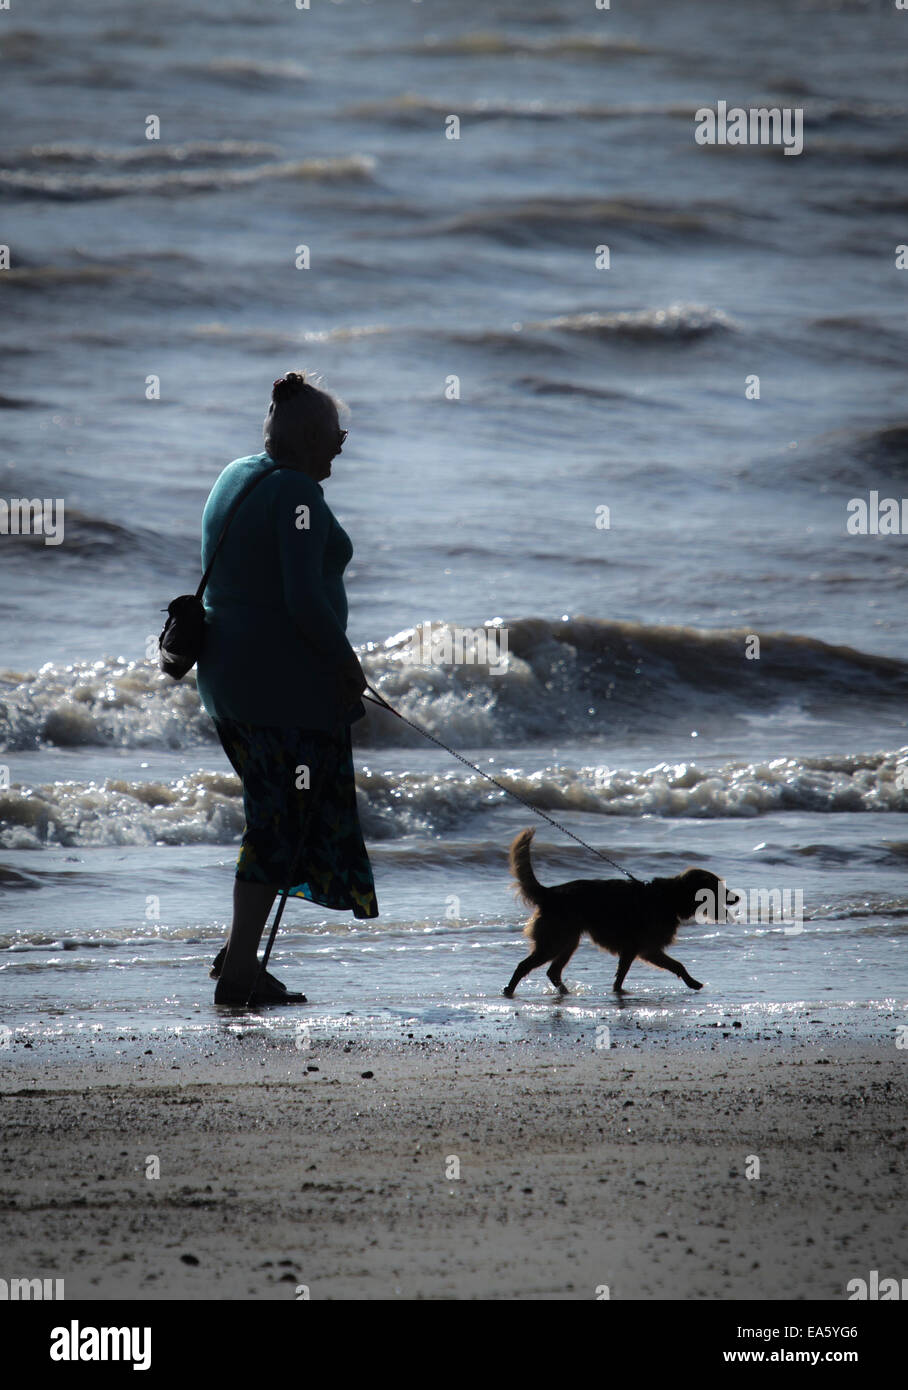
(180, 642)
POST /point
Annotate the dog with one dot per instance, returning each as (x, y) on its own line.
(630, 919)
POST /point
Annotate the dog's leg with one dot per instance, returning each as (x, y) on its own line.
(558, 964)
(625, 962)
(530, 962)
(667, 963)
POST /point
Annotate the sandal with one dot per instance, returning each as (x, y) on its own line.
(215, 974)
(265, 993)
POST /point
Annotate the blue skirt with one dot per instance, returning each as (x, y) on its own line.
(306, 835)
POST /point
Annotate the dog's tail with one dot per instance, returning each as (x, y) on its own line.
(528, 885)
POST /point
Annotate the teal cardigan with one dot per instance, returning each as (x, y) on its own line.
(275, 605)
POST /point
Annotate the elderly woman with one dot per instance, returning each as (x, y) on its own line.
(282, 683)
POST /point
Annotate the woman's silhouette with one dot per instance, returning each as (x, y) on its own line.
(282, 683)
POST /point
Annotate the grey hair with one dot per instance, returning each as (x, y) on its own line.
(300, 415)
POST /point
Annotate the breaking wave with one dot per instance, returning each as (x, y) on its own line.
(206, 807)
(576, 679)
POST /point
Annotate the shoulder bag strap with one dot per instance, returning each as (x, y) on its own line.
(230, 515)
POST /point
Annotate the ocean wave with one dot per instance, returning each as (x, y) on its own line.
(104, 703)
(203, 808)
(523, 221)
(549, 386)
(40, 276)
(482, 44)
(818, 111)
(86, 536)
(271, 340)
(577, 679)
(76, 187)
(676, 322)
(886, 854)
(875, 339)
(25, 45)
(884, 450)
(585, 678)
(150, 152)
(890, 202)
(96, 540)
(206, 807)
(851, 150)
(412, 108)
(253, 71)
(86, 270)
(854, 459)
(875, 782)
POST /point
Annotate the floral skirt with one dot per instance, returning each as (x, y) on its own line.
(302, 824)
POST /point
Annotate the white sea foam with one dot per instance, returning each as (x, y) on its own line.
(578, 679)
(205, 807)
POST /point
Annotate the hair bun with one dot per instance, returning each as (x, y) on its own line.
(288, 386)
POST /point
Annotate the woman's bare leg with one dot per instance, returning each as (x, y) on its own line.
(251, 905)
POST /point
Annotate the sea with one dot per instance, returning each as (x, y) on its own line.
(619, 395)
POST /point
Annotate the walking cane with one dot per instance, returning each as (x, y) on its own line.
(283, 902)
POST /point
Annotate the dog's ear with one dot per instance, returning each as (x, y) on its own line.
(689, 884)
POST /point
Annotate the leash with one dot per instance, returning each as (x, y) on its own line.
(383, 703)
(376, 699)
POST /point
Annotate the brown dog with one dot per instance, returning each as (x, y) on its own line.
(628, 919)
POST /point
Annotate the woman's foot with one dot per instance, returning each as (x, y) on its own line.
(215, 974)
(264, 992)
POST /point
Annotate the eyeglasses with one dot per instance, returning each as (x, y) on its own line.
(341, 436)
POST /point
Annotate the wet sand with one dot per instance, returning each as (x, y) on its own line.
(623, 1167)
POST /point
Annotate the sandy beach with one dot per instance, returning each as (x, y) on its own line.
(334, 1166)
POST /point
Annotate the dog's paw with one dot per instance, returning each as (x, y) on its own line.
(508, 993)
(694, 984)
